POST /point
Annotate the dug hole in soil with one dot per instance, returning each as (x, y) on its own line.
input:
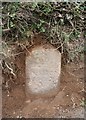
(65, 104)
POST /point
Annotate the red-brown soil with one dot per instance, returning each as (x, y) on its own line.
(67, 102)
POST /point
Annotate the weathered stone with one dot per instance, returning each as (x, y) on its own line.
(43, 67)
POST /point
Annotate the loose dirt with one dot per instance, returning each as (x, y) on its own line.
(66, 104)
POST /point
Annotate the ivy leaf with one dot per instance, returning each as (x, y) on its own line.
(34, 5)
(12, 24)
(65, 36)
(12, 15)
(42, 29)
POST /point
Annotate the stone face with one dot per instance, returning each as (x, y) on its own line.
(43, 68)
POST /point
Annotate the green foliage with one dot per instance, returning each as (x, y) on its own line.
(59, 22)
(83, 103)
(40, 17)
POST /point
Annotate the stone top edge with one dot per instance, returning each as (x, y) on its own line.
(45, 46)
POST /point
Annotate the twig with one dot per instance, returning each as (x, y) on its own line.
(11, 70)
(72, 99)
(60, 46)
(25, 48)
(5, 30)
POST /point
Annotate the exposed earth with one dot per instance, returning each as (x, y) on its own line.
(67, 103)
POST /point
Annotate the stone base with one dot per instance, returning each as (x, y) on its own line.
(43, 68)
